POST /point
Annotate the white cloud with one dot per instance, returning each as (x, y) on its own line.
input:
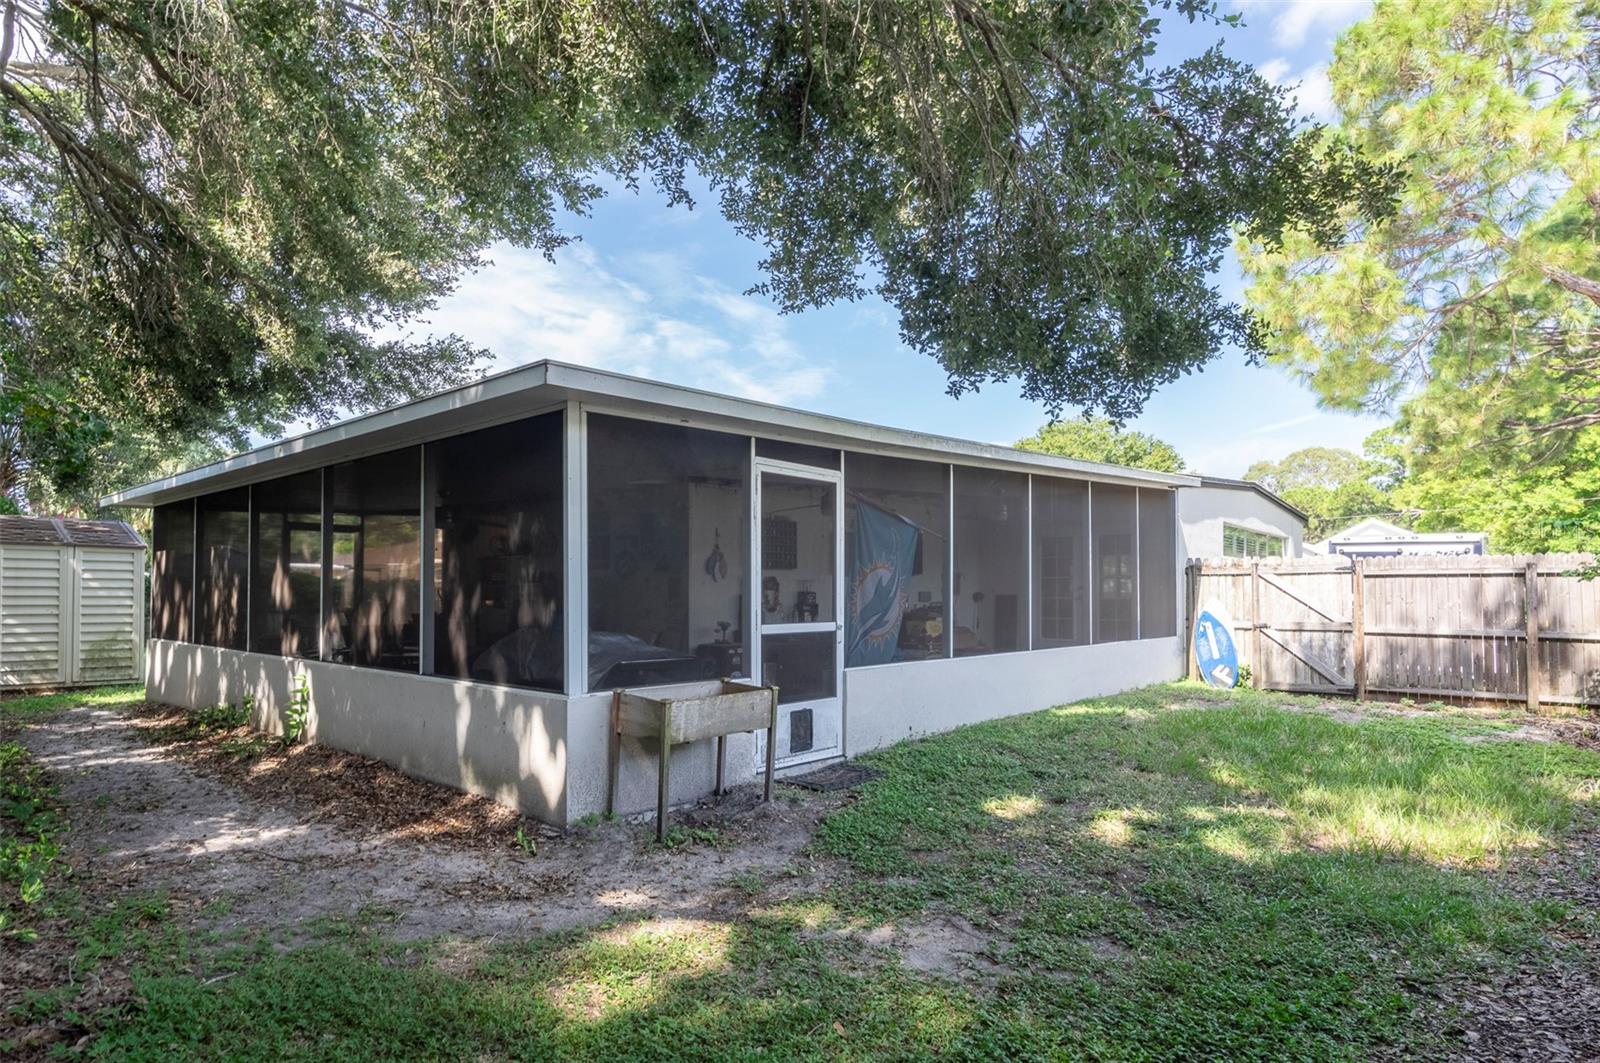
(1294, 21)
(685, 327)
(1310, 88)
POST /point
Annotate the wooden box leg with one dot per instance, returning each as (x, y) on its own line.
(772, 745)
(613, 751)
(664, 774)
(722, 757)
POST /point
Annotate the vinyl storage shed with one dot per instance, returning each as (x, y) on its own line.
(460, 583)
(71, 602)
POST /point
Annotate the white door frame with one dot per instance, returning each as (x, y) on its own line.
(758, 629)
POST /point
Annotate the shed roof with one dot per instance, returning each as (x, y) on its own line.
(67, 531)
(1252, 485)
(544, 385)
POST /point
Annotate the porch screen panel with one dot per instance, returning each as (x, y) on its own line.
(172, 571)
(285, 589)
(1061, 584)
(498, 553)
(896, 541)
(1115, 562)
(990, 590)
(373, 599)
(1158, 565)
(669, 524)
(223, 577)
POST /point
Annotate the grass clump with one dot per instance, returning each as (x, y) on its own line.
(19, 707)
(31, 823)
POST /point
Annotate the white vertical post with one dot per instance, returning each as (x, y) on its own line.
(250, 561)
(575, 549)
(1029, 594)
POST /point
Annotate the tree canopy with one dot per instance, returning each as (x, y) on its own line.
(1332, 486)
(1475, 309)
(1099, 439)
(207, 211)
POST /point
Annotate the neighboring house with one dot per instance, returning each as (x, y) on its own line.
(461, 582)
(1379, 538)
(71, 602)
(1238, 518)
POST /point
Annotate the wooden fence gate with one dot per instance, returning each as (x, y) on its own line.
(1505, 628)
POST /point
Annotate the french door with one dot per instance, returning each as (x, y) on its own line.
(798, 601)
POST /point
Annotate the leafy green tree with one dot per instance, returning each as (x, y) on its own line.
(207, 211)
(1099, 439)
(1475, 309)
(1332, 486)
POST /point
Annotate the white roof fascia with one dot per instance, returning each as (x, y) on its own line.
(528, 389)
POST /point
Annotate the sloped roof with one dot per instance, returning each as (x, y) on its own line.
(67, 531)
(1251, 485)
(546, 384)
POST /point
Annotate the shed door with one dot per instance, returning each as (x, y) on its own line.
(33, 610)
(108, 615)
(799, 601)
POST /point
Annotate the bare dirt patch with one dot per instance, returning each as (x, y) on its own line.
(353, 835)
(950, 946)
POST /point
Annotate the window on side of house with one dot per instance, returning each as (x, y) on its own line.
(172, 571)
(990, 590)
(373, 600)
(1243, 542)
(1115, 562)
(286, 587)
(498, 553)
(897, 541)
(669, 518)
(1061, 584)
(1158, 565)
(223, 573)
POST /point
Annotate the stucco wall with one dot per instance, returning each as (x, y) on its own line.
(693, 765)
(1202, 511)
(546, 754)
(506, 744)
(891, 702)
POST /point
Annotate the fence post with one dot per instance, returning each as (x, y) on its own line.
(1192, 572)
(1530, 576)
(1255, 624)
(1358, 627)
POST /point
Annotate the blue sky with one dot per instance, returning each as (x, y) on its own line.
(658, 291)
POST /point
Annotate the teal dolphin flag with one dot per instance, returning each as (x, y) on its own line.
(886, 549)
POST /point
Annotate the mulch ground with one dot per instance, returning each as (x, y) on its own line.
(325, 783)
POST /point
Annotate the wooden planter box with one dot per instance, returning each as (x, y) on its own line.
(736, 708)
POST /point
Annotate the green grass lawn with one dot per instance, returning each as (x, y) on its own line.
(1166, 873)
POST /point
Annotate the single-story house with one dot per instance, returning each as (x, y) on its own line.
(460, 582)
(1378, 538)
(1238, 518)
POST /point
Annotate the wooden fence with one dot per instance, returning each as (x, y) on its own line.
(1505, 628)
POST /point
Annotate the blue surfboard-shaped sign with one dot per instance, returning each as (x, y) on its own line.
(1214, 651)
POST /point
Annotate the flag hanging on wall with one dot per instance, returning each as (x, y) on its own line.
(886, 549)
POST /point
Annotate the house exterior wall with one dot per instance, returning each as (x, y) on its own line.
(504, 743)
(888, 703)
(1202, 511)
(546, 754)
